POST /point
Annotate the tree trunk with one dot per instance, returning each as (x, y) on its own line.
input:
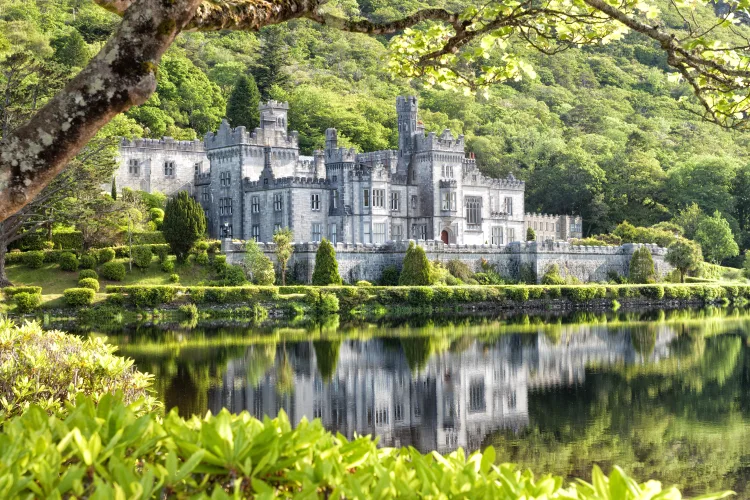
(4, 281)
(682, 276)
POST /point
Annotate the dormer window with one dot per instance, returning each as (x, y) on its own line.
(169, 169)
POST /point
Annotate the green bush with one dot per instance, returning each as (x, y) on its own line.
(113, 271)
(416, 267)
(322, 302)
(76, 297)
(27, 302)
(106, 255)
(161, 251)
(518, 293)
(390, 276)
(152, 296)
(527, 274)
(201, 246)
(151, 237)
(68, 240)
(642, 267)
(167, 266)
(652, 292)
(88, 273)
(584, 292)
(552, 276)
(184, 224)
(116, 299)
(232, 276)
(420, 295)
(34, 259)
(326, 270)
(459, 269)
(90, 283)
(258, 265)
(174, 278)
(50, 368)
(142, 257)
(202, 258)
(11, 291)
(68, 262)
(363, 283)
(88, 261)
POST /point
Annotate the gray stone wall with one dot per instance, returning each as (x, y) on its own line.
(366, 262)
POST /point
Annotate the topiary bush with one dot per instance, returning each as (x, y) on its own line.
(68, 261)
(363, 283)
(106, 255)
(34, 259)
(89, 283)
(142, 256)
(184, 224)
(88, 261)
(27, 302)
(161, 251)
(77, 297)
(416, 267)
(88, 273)
(113, 271)
(11, 291)
(326, 270)
(167, 266)
(202, 258)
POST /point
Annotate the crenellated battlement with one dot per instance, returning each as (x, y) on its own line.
(227, 136)
(340, 155)
(445, 142)
(164, 144)
(203, 178)
(285, 182)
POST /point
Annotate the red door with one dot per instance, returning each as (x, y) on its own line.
(444, 236)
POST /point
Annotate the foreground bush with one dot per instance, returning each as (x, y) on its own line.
(76, 297)
(113, 271)
(50, 368)
(142, 257)
(27, 302)
(108, 451)
(106, 255)
(34, 259)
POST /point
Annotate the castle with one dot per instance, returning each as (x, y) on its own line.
(251, 183)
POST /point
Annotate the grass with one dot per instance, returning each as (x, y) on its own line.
(54, 281)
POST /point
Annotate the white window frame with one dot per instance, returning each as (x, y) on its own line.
(397, 232)
(379, 233)
(508, 205)
(378, 198)
(449, 201)
(473, 211)
(255, 204)
(317, 231)
(134, 167)
(366, 233)
(497, 235)
(315, 202)
(333, 233)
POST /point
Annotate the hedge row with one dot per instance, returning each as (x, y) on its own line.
(163, 294)
(11, 291)
(53, 256)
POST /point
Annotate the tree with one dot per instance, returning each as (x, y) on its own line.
(273, 59)
(184, 224)
(459, 49)
(284, 249)
(688, 219)
(114, 189)
(642, 267)
(684, 255)
(242, 106)
(326, 267)
(530, 234)
(416, 268)
(71, 50)
(746, 264)
(258, 267)
(327, 357)
(715, 238)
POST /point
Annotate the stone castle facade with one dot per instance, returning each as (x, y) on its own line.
(251, 183)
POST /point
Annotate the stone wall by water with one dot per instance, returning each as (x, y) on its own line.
(367, 262)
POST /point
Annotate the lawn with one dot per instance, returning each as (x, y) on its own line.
(54, 281)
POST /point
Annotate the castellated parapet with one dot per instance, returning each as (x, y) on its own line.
(227, 136)
(164, 144)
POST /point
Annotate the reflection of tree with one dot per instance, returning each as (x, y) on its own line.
(417, 351)
(259, 359)
(188, 390)
(643, 340)
(284, 374)
(327, 356)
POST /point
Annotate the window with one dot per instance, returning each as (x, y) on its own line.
(256, 232)
(277, 202)
(315, 201)
(511, 234)
(512, 400)
(473, 210)
(225, 206)
(255, 204)
(378, 233)
(381, 416)
(378, 198)
(419, 231)
(395, 201)
(316, 231)
(198, 167)
(134, 168)
(414, 175)
(497, 235)
(508, 205)
(332, 233)
(169, 168)
(449, 201)
(205, 194)
(335, 198)
(225, 179)
(476, 396)
(317, 410)
(366, 233)
(397, 232)
(276, 227)
(226, 231)
(365, 197)
(447, 171)
(398, 413)
(417, 409)
(414, 202)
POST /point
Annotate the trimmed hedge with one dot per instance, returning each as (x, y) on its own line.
(68, 240)
(163, 294)
(106, 255)
(142, 256)
(88, 273)
(89, 261)
(76, 297)
(113, 271)
(149, 237)
(11, 291)
(34, 259)
(68, 261)
(27, 302)
(90, 283)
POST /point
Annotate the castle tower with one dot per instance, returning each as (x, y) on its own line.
(273, 116)
(406, 107)
(331, 139)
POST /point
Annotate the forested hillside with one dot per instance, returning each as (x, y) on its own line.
(599, 132)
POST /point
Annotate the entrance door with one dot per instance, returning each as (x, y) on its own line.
(444, 236)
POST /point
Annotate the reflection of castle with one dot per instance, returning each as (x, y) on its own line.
(456, 400)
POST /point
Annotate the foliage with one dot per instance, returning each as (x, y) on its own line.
(258, 266)
(459, 269)
(67, 240)
(641, 269)
(684, 255)
(34, 259)
(202, 258)
(142, 256)
(88, 273)
(552, 276)
(50, 368)
(27, 302)
(11, 291)
(390, 276)
(106, 255)
(174, 278)
(715, 238)
(113, 271)
(88, 261)
(232, 275)
(322, 302)
(90, 283)
(167, 266)
(184, 224)
(282, 238)
(242, 106)
(746, 265)
(326, 357)
(530, 234)
(77, 297)
(363, 283)
(416, 268)
(68, 261)
(326, 270)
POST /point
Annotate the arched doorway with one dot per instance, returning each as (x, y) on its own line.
(445, 237)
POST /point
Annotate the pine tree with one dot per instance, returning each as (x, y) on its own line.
(71, 50)
(326, 267)
(184, 224)
(327, 356)
(273, 53)
(416, 269)
(114, 189)
(642, 267)
(530, 234)
(242, 106)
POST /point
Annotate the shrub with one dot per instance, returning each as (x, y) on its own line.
(68, 262)
(201, 246)
(167, 266)
(113, 271)
(27, 302)
(518, 293)
(106, 255)
(184, 224)
(34, 259)
(459, 269)
(174, 278)
(11, 291)
(142, 256)
(50, 368)
(420, 296)
(584, 292)
(642, 267)
(68, 240)
(390, 276)
(652, 292)
(89, 283)
(416, 267)
(151, 296)
(115, 299)
(88, 261)
(326, 270)
(161, 251)
(527, 274)
(259, 267)
(88, 273)
(363, 283)
(321, 302)
(76, 297)
(552, 276)
(202, 258)
(232, 276)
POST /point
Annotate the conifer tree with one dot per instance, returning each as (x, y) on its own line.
(273, 54)
(327, 356)
(416, 269)
(184, 224)
(242, 106)
(114, 189)
(326, 267)
(71, 50)
(530, 234)
(284, 249)
(642, 267)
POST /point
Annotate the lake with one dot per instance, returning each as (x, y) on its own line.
(662, 394)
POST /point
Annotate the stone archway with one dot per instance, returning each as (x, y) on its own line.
(445, 237)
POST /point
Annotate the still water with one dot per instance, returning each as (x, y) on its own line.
(663, 394)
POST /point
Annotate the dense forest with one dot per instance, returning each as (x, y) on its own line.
(601, 131)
